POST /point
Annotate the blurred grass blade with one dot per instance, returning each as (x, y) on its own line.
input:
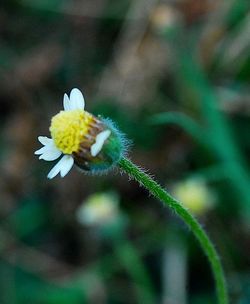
(183, 121)
(134, 266)
(219, 132)
(29, 288)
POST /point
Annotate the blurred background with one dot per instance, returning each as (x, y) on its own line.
(174, 75)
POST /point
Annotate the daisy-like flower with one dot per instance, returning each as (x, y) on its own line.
(92, 143)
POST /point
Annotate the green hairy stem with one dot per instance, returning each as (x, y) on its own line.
(157, 191)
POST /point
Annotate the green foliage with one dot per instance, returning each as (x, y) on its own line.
(175, 80)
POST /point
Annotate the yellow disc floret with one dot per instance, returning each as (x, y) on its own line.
(68, 129)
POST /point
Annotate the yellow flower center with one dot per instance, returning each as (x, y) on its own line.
(68, 129)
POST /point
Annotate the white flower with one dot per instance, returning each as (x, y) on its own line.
(76, 134)
(49, 151)
(195, 195)
(99, 209)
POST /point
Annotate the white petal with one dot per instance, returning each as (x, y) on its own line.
(55, 170)
(41, 151)
(100, 139)
(66, 102)
(44, 140)
(48, 145)
(76, 100)
(50, 153)
(63, 166)
(68, 163)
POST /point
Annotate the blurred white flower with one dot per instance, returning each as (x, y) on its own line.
(99, 209)
(195, 195)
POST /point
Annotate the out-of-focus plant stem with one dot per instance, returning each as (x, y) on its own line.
(132, 262)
